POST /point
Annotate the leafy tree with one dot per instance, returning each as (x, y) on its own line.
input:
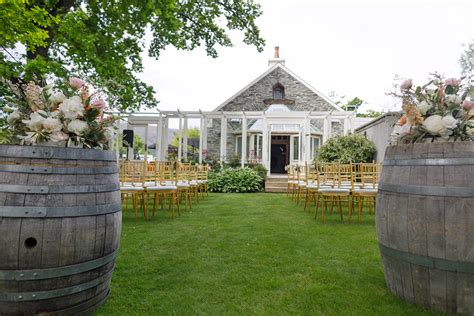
(352, 105)
(369, 113)
(102, 40)
(138, 146)
(192, 133)
(355, 148)
(466, 61)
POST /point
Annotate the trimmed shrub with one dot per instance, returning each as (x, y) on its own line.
(355, 148)
(259, 168)
(235, 180)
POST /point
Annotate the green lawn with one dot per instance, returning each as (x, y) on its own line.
(249, 254)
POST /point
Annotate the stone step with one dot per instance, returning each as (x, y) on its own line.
(275, 189)
(277, 182)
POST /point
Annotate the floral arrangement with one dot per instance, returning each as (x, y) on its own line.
(441, 109)
(68, 116)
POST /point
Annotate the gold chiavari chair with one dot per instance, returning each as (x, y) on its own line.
(183, 183)
(318, 181)
(337, 194)
(303, 180)
(297, 179)
(193, 180)
(290, 171)
(366, 176)
(165, 187)
(202, 178)
(132, 178)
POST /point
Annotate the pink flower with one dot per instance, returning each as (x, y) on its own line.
(75, 83)
(98, 104)
(468, 105)
(406, 84)
(452, 82)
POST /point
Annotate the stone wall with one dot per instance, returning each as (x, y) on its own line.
(298, 98)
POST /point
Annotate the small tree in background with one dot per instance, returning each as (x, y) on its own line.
(193, 138)
(138, 146)
(352, 105)
(355, 148)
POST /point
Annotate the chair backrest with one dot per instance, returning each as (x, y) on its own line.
(345, 176)
(167, 175)
(369, 175)
(183, 171)
(132, 172)
(202, 172)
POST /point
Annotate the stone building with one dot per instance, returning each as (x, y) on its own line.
(278, 89)
(276, 120)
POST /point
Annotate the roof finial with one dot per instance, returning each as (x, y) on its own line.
(277, 52)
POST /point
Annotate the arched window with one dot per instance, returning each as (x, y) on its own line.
(278, 91)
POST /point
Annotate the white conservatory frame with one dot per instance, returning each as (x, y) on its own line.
(301, 118)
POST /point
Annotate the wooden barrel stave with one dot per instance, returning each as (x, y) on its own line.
(428, 226)
(60, 241)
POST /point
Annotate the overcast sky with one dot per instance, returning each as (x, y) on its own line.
(354, 48)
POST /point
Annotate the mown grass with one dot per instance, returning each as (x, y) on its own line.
(249, 254)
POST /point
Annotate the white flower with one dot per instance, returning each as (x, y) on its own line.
(423, 107)
(52, 124)
(77, 126)
(434, 125)
(35, 123)
(109, 133)
(401, 130)
(58, 136)
(13, 117)
(29, 139)
(453, 99)
(57, 98)
(72, 107)
(74, 143)
(449, 121)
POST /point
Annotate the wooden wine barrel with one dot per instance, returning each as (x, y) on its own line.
(60, 221)
(425, 224)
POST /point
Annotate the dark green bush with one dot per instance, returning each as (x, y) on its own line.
(355, 148)
(235, 180)
(259, 168)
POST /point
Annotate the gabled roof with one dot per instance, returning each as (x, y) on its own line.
(268, 71)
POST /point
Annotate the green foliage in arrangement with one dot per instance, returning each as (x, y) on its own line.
(355, 148)
(104, 41)
(235, 180)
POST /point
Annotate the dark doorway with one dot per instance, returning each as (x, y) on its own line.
(279, 153)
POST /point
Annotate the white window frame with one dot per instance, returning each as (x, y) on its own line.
(237, 151)
(292, 148)
(312, 145)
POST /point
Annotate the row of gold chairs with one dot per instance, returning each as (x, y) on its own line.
(160, 182)
(336, 184)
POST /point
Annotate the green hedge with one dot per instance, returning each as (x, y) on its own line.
(355, 148)
(235, 180)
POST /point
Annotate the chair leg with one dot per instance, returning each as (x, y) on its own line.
(317, 205)
(135, 205)
(340, 206)
(307, 196)
(155, 202)
(361, 204)
(351, 205)
(323, 207)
